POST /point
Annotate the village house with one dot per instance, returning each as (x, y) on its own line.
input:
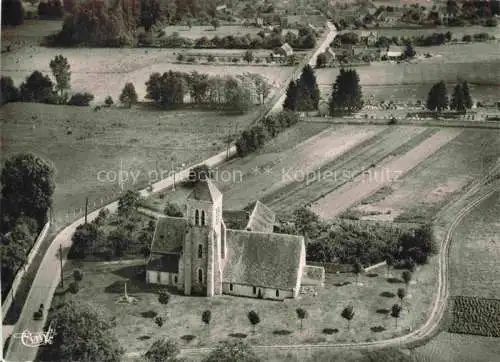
(212, 252)
(368, 38)
(393, 53)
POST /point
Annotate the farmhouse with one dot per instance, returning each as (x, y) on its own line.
(393, 53)
(285, 50)
(212, 252)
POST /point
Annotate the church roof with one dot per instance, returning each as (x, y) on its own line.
(205, 190)
(263, 259)
(168, 263)
(236, 219)
(169, 235)
(262, 218)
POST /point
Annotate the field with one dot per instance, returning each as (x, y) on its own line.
(104, 71)
(473, 315)
(90, 148)
(279, 325)
(418, 195)
(474, 271)
(208, 31)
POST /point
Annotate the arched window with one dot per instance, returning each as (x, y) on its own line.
(202, 217)
(200, 251)
(200, 276)
(196, 217)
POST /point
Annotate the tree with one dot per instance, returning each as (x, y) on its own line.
(306, 221)
(389, 261)
(401, 295)
(262, 88)
(109, 101)
(409, 51)
(215, 23)
(172, 209)
(37, 88)
(457, 102)
(84, 239)
(206, 316)
(163, 350)
(348, 314)
(358, 269)
(77, 275)
(291, 97)
(119, 241)
(321, 60)
(395, 313)
(164, 297)
(8, 90)
(129, 95)
(437, 100)
(159, 321)
(254, 319)
(346, 93)
(466, 95)
(60, 70)
(301, 314)
(129, 203)
(13, 258)
(248, 56)
(27, 188)
(150, 13)
(406, 275)
(12, 12)
(238, 98)
(308, 89)
(74, 287)
(81, 99)
(231, 351)
(77, 321)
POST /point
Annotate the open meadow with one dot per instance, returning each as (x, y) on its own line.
(104, 71)
(418, 195)
(372, 299)
(90, 148)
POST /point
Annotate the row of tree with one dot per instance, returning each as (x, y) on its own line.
(437, 99)
(228, 93)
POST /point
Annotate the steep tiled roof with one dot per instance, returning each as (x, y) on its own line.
(287, 49)
(263, 259)
(205, 190)
(167, 263)
(169, 235)
(235, 219)
(262, 218)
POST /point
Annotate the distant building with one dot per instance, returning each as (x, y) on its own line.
(393, 52)
(285, 50)
(211, 252)
(221, 7)
(368, 38)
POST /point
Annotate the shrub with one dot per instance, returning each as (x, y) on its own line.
(37, 88)
(164, 297)
(109, 101)
(38, 315)
(9, 93)
(77, 275)
(198, 173)
(149, 314)
(377, 329)
(491, 22)
(74, 288)
(188, 337)
(159, 321)
(172, 209)
(330, 330)
(81, 99)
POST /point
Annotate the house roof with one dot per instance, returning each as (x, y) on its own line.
(169, 235)
(263, 259)
(262, 218)
(205, 190)
(168, 263)
(236, 219)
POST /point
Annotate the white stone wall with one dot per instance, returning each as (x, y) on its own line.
(164, 278)
(247, 291)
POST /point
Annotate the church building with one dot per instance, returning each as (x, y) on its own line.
(212, 251)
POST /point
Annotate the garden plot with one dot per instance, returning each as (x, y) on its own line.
(423, 191)
(267, 172)
(104, 71)
(381, 175)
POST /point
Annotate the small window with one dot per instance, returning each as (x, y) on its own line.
(200, 251)
(200, 276)
(175, 279)
(277, 293)
(196, 217)
(158, 277)
(254, 290)
(203, 217)
(231, 287)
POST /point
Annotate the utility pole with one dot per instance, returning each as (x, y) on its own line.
(86, 209)
(60, 261)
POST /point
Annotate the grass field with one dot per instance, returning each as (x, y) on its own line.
(474, 271)
(457, 32)
(279, 324)
(104, 71)
(209, 31)
(81, 143)
(423, 191)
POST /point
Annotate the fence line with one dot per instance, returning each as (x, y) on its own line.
(7, 303)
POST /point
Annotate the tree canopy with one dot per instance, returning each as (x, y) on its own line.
(128, 95)
(61, 72)
(230, 351)
(12, 12)
(37, 88)
(437, 99)
(27, 188)
(346, 96)
(461, 99)
(308, 91)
